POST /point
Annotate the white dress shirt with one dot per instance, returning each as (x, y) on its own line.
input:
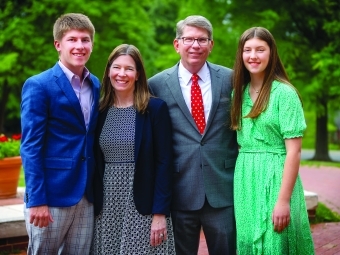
(82, 89)
(204, 82)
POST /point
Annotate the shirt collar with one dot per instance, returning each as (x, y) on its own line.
(69, 74)
(183, 73)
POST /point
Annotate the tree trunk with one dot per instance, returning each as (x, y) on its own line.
(321, 141)
(4, 98)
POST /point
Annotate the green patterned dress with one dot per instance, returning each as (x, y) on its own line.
(258, 177)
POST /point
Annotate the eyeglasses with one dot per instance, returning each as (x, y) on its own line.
(190, 40)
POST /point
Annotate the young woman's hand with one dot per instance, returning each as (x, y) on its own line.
(281, 216)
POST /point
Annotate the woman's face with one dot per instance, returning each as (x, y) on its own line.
(256, 54)
(123, 74)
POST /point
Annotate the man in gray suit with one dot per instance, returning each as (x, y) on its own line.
(204, 153)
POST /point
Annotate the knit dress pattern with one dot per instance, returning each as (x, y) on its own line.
(258, 177)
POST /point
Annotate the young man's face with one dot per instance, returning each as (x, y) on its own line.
(74, 49)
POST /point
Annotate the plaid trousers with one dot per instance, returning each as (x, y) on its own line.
(70, 233)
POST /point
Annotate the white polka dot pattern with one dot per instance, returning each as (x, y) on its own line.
(197, 108)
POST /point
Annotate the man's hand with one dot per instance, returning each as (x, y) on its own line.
(40, 216)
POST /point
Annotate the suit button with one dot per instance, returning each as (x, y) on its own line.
(83, 158)
(202, 143)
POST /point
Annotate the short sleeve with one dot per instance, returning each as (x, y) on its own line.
(291, 116)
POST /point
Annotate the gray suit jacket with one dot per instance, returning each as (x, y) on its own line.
(203, 166)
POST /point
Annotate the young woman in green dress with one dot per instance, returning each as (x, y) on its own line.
(270, 210)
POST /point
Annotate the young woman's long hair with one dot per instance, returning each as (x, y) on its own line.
(241, 76)
(141, 93)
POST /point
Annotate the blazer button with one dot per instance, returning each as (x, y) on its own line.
(202, 143)
(82, 158)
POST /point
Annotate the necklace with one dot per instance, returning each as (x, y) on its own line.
(256, 90)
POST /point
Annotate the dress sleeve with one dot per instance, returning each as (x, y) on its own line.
(291, 116)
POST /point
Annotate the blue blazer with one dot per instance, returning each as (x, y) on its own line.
(152, 186)
(56, 147)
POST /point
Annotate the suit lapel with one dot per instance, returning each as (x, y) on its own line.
(216, 88)
(65, 86)
(173, 84)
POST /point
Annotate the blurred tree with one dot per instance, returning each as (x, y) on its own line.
(166, 15)
(26, 41)
(118, 22)
(307, 32)
(26, 48)
(318, 64)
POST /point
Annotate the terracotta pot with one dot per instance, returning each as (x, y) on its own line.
(9, 176)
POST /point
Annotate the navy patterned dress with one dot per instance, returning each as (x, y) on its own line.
(120, 229)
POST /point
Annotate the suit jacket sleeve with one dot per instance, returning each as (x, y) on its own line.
(34, 112)
(162, 137)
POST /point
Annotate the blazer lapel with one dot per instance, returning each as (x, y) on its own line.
(216, 88)
(140, 118)
(173, 83)
(95, 104)
(66, 87)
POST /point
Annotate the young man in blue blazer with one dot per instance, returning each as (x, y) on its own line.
(58, 119)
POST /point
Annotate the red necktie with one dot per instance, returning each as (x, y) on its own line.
(197, 108)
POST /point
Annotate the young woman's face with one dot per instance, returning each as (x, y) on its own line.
(256, 54)
(123, 74)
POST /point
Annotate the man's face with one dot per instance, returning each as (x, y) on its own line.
(195, 55)
(74, 49)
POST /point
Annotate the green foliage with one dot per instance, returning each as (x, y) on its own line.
(9, 147)
(7, 61)
(308, 140)
(21, 182)
(324, 214)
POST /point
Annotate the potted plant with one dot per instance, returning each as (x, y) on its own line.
(10, 165)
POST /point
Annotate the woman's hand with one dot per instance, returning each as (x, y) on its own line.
(158, 229)
(281, 216)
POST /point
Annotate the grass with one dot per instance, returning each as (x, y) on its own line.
(319, 163)
(21, 182)
(324, 214)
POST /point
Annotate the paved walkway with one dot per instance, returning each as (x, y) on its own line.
(326, 238)
(325, 181)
